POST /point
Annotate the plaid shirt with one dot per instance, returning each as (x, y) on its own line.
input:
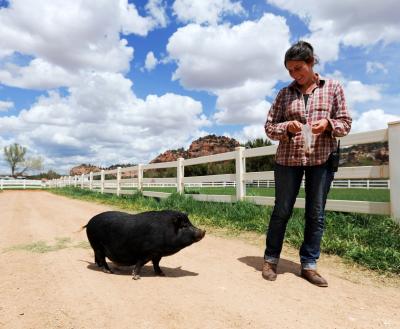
(326, 101)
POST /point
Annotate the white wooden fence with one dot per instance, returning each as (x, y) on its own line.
(21, 184)
(120, 185)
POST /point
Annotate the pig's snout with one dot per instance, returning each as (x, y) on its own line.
(200, 235)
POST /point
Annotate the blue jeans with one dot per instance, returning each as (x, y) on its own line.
(287, 184)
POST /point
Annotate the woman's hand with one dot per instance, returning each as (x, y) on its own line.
(294, 126)
(319, 126)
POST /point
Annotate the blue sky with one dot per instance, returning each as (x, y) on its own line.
(107, 82)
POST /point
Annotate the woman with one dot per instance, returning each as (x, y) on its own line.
(311, 109)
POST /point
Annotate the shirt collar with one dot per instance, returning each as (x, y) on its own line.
(320, 82)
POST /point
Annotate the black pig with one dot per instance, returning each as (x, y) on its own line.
(127, 239)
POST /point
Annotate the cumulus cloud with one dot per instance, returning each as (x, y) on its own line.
(110, 125)
(373, 67)
(157, 10)
(373, 120)
(71, 39)
(352, 23)
(244, 103)
(151, 61)
(240, 64)
(251, 132)
(205, 11)
(357, 92)
(5, 106)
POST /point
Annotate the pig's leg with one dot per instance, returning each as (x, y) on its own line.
(100, 260)
(136, 269)
(156, 266)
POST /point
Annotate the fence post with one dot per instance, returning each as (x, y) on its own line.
(118, 181)
(240, 165)
(140, 177)
(394, 168)
(91, 180)
(102, 181)
(82, 178)
(179, 176)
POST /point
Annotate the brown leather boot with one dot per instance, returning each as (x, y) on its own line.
(314, 277)
(269, 271)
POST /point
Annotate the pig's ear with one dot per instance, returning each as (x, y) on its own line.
(180, 220)
(177, 221)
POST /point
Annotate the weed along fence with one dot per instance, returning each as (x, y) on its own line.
(130, 180)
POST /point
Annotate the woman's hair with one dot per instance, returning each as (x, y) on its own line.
(301, 51)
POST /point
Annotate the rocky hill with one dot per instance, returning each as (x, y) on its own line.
(87, 168)
(357, 155)
(207, 145)
(83, 169)
(373, 154)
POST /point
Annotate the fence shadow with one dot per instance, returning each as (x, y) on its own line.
(284, 266)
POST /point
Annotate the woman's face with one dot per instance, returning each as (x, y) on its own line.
(300, 71)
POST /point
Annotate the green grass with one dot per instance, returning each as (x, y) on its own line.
(369, 240)
(359, 194)
(41, 247)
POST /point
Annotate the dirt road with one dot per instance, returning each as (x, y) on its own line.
(215, 283)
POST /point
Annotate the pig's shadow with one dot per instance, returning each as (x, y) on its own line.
(147, 270)
(284, 266)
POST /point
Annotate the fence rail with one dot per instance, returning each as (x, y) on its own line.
(384, 176)
(21, 183)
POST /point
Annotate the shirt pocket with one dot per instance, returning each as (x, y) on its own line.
(322, 107)
(321, 110)
(294, 110)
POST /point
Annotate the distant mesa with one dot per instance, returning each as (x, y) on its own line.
(83, 169)
(364, 155)
(207, 145)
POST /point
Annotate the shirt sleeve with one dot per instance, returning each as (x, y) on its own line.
(340, 119)
(276, 126)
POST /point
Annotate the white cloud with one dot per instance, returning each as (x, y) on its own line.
(357, 92)
(352, 22)
(373, 67)
(373, 120)
(206, 11)
(5, 106)
(251, 132)
(240, 64)
(101, 121)
(72, 39)
(244, 103)
(157, 10)
(151, 61)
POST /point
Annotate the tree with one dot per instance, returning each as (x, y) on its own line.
(262, 163)
(258, 142)
(14, 155)
(32, 163)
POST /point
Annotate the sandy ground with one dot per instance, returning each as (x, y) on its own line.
(215, 283)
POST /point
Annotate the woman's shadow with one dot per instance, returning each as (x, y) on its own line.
(284, 266)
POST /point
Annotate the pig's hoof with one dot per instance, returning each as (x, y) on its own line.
(135, 277)
(107, 271)
(160, 273)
